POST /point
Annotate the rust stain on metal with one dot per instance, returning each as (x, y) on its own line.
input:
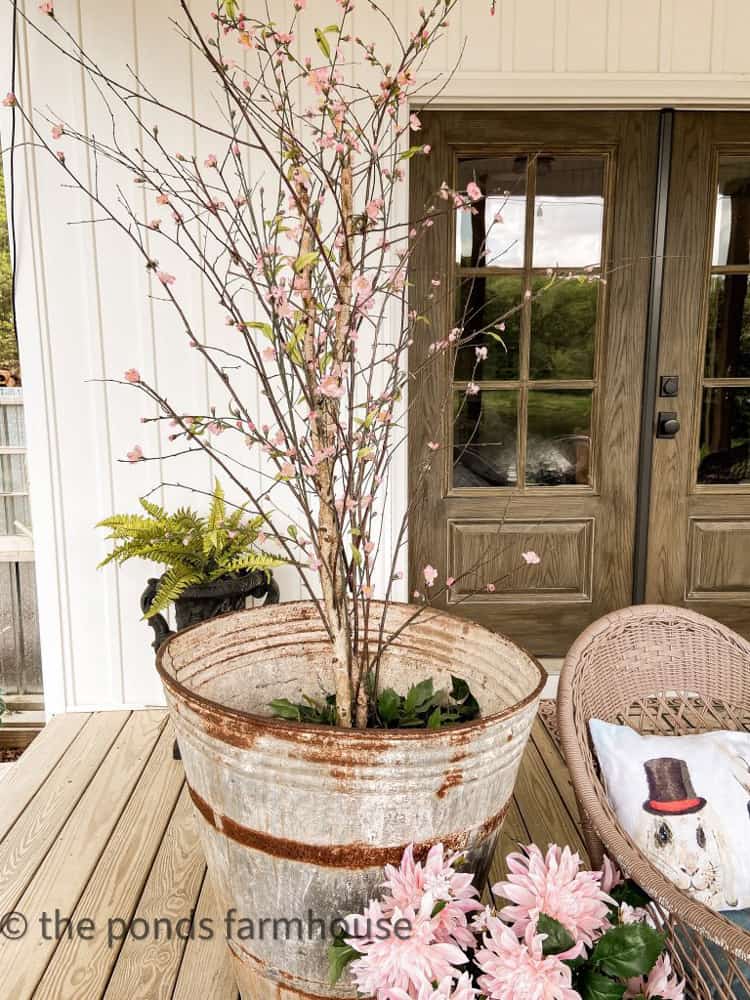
(451, 780)
(353, 856)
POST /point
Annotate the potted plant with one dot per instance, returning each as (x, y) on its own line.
(290, 213)
(212, 561)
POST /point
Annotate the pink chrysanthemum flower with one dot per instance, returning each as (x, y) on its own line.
(554, 885)
(661, 983)
(611, 875)
(446, 989)
(516, 968)
(408, 957)
(453, 892)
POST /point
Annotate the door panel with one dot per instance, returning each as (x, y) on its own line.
(537, 443)
(699, 532)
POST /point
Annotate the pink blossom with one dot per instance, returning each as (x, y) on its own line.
(531, 558)
(56, 131)
(491, 588)
(611, 875)
(554, 885)
(481, 353)
(162, 199)
(661, 983)
(414, 123)
(445, 990)
(132, 375)
(211, 160)
(300, 4)
(9, 100)
(430, 575)
(449, 581)
(268, 354)
(427, 150)
(474, 191)
(397, 961)
(287, 470)
(331, 387)
(60, 155)
(47, 8)
(433, 445)
(516, 968)
(472, 389)
(164, 278)
(374, 208)
(154, 224)
(136, 455)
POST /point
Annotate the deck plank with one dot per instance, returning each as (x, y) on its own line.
(557, 768)
(35, 831)
(543, 809)
(147, 969)
(82, 968)
(65, 871)
(35, 765)
(205, 970)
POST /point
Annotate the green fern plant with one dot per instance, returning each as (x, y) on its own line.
(195, 549)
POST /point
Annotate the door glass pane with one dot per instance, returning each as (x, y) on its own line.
(728, 341)
(569, 211)
(559, 437)
(563, 324)
(732, 225)
(14, 511)
(11, 426)
(725, 436)
(492, 234)
(489, 312)
(485, 438)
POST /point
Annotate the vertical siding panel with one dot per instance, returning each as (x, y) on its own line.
(735, 58)
(483, 51)
(691, 37)
(560, 51)
(534, 36)
(639, 36)
(718, 31)
(666, 36)
(506, 13)
(586, 36)
(614, 17)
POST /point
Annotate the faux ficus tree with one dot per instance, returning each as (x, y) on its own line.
(290, 210)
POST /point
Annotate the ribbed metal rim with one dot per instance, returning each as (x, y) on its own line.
(292, 728)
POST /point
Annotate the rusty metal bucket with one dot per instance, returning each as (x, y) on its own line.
(296, 820)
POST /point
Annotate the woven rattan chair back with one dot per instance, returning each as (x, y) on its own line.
(667, 671)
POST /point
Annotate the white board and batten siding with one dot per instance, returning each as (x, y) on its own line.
(83, 305)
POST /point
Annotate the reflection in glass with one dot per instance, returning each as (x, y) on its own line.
(559, 437)
(728, 341)
(485, 438)
(487, 304)
(493, 236)
(732, 224)
(725, 437)
(563, 325)
(12, 432)
(569, 211)
(12, 510)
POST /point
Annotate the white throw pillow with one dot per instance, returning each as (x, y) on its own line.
(685, 801)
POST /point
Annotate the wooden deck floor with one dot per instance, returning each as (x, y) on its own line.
(96, 824)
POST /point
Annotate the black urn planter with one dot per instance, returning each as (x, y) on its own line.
(207, 600)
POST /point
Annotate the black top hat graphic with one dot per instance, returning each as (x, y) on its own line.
(670, 788)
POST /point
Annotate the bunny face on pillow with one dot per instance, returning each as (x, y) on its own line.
(691, 850)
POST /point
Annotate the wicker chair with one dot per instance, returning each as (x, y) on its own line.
(660, 670)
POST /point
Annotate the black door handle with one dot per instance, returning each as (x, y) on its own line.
(667, 425)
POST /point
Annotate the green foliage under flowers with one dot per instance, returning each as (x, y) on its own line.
(8, 345)
(195, 549)
(420, 708)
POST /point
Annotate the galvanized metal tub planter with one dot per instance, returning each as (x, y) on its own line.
(297, 820)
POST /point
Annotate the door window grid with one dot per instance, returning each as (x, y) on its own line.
(545, 381)
(723, 446)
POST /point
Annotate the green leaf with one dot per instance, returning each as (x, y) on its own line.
(417, 695)
(322, 41)
(306, 260)
(631, 893)
(340, 954)
(594, 986)
(265, 328)
(407, 154)
(436, 719)
(389, 705)
(284, 709)
(628, 950)
(558, 937)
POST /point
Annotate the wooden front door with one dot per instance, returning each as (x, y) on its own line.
(699, 530)
(535, 446)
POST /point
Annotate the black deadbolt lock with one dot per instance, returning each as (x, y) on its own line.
(669, 385)
(667, 425)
